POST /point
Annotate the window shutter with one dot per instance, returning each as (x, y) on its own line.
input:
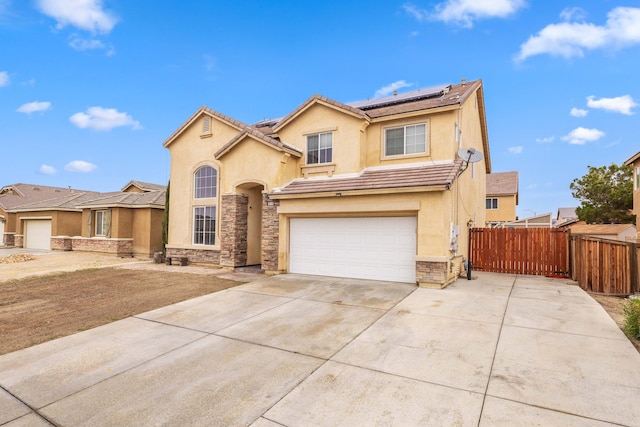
(108, 221)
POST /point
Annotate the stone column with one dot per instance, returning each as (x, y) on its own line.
(233, 230)
(270, 234)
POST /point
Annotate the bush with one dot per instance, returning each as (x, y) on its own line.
(632, 318)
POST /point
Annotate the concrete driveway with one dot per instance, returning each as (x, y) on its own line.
(297, 350)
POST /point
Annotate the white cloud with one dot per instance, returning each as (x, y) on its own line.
(465, 12)
(99, 118)
(388, 90)
(545, 140)
(569, 39)
(47, 170)
(620, 104)
(573, 14)
(516, 150)
(32, 107)
(578, 112)
(419, 14)
(78, 43)
(79, 166)
(4, 78)
(580, 136)
(83, 14)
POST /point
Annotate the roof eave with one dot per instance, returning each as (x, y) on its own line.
(343, 193)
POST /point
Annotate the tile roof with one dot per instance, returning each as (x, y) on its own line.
(275, 143)
(67, 202)
(151, 198)
(315, 99)
(502, 183)
(31, 193)
(424, 175)
(631, 160)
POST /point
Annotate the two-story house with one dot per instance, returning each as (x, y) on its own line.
(502, 197)
(634, 161)
(372, 189)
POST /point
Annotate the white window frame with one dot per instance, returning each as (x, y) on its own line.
(494, 206)
(102, 223)
(321, 151)
(213, 185)
(199, 237)
(404, 142)
(637, 180)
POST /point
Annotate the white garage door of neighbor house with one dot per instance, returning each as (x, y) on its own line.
(376, 248)
(2, 232)
(37, 234)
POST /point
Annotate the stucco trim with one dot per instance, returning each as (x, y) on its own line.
(345, 193)
(269, 142)
(35, 217)
(353, 209)
(423, 258)
(194, 247)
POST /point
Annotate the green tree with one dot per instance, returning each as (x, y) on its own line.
(606, 195)
(165, 221)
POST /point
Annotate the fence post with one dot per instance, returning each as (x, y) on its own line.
(633, 266)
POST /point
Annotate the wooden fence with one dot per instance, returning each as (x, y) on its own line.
(538, 251)
(605, 266)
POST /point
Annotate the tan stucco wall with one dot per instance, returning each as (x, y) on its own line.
(62, 223)
(506, 209)
(146, 231)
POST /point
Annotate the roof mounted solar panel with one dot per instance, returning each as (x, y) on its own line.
(415, 95)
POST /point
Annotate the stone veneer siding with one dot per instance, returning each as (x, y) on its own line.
(119, 247)
(9, 239)
(430, 273)
(18, 240)
(61, 243)
(204, 256)
(233, 230)
(270, 234)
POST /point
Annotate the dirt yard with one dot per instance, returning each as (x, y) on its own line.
(614, 306)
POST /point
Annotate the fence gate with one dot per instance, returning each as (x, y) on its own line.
(537, 251)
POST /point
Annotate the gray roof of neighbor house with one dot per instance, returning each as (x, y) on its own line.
(378, 178)
(144, 186)
(502, 183)
(154, 199)
(567, 213)
(19, 194)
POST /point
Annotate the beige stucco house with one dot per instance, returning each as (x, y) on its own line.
(371, 189)
(123, 223)
(502, 198)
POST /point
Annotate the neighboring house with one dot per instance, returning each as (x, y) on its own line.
(122, 223)
(623, 232)
(502, 197)
(634, 161)
(566, 215)
(14, 195)
(538, 221)
(371, 189)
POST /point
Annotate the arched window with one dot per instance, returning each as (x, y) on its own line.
(206, 182)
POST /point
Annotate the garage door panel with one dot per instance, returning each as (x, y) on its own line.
(37, 234)
(375, 248)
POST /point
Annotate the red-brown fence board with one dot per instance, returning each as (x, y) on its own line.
(537, 251)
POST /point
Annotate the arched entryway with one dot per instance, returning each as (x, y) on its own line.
(253, 192)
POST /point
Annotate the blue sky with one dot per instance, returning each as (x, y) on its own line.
(90, 89)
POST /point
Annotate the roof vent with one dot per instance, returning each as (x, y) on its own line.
(395, 92)
(464, 81)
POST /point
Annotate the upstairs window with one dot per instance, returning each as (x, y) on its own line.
(492, 203)
(206, 182)
(405, 140)
(320, 148)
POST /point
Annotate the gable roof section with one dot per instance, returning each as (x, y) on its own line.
(502, 183)
(416, 177)
(260, 137)
(567, 213)
(195, 116)
(322, 100)
(144, 186)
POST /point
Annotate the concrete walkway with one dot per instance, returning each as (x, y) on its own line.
(297, 350)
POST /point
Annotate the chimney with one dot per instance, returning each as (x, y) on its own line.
(395, 92)
(464, 82)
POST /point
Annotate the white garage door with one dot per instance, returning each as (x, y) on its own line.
(1, 231)
(37, 234)
(381, 248)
